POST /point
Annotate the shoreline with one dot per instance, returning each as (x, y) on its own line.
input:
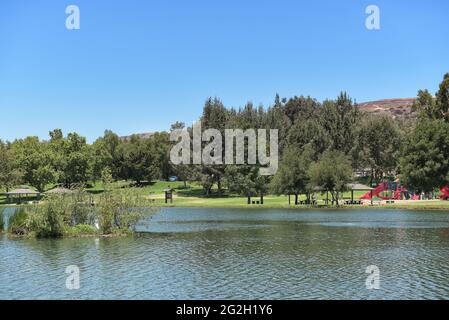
(185, 202)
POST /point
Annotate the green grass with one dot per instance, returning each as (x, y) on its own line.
(193, 196)
(80, 230)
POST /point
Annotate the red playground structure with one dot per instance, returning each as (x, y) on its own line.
(444, 193)
(398, 192)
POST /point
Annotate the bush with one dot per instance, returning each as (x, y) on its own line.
(81, 229)
(18, 222)
(73, 215)
(120, 210)
(2, 220)
(48, 220)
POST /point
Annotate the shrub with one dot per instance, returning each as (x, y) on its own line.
(81, 229)
(2, 220)
(48, 220)
(80, 212)
(120, 210)
(18, 222)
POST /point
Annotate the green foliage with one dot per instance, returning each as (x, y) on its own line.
(10, 173)
(139, 159)
(424, 163)
(106, 178)
(371, 143)
(49, 219)
(2, 219)
(339, 119)
(35, 160)
(377, 145)
(18, 222)
(80, 229)
(71, 159)
(120, 210)
(436, 108)
(293, 172)
(331, 173)
(245, 179)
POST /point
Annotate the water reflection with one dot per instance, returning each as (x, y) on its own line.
(241, 254)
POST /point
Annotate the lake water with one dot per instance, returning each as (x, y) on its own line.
(242, 254)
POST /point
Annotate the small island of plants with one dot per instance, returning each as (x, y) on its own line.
(75, 214)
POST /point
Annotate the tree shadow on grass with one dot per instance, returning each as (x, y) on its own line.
(199, 193)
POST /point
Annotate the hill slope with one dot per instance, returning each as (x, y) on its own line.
(396, 108)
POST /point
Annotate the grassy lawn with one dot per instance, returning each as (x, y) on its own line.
(193, 196)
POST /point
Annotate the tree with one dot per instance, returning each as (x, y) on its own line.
(74, 164)
(424, 163)
(309, 132)
(215, 116)
(105, 153)
(292, 176)
(10, 174)
(331, 173)
(376, 146)
(36, 161)
(434, 108)
(139, 160)
(245, 180)
(339, 118)
(300, 108)
(160, 144)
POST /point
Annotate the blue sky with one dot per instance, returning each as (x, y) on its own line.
(138, 66)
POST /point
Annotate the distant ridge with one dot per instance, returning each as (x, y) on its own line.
(396, 108)
(145, 135)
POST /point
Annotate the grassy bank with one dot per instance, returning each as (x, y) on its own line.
(193, 196)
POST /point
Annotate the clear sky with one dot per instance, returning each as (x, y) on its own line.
(138, 66)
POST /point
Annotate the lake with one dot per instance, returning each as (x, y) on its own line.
(189, 253)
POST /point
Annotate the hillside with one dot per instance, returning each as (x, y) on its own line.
(396, 108)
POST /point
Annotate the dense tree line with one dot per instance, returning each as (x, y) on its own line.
(321, 144)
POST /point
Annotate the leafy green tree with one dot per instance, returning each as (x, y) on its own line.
(245, 180)
(309, 132)
(160, 144)
(424, 163)
(10, 174)
(436, 107)
(300, 108)
(35, 159)
(339, 118)
(139, 160)
(74, 164)
(331, 173)
(215, 116)
(105, 153)
(293, 173)
(377, 144)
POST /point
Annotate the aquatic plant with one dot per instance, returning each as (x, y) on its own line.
(2, 220)
(49, 219)
(17, 223)
(120, 210)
